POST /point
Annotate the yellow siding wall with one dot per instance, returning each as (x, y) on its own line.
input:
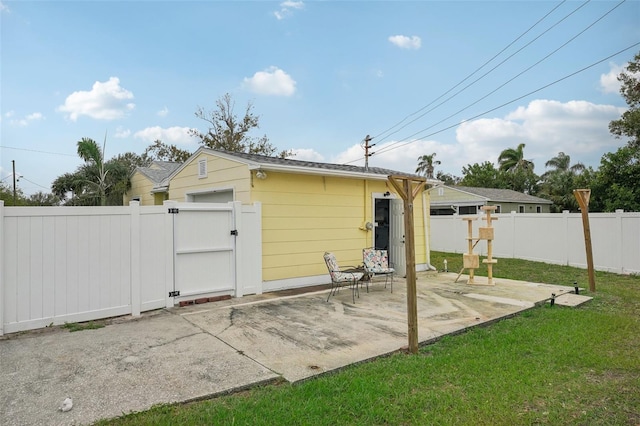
(304, 215)
(159, 198)
(140, 187)
(449, 195)
(221, 173)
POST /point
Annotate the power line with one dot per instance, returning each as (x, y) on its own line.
(35, 150)
(477, 70)
(516, 99)
(511, 79)
(493, 69)
(36, 184)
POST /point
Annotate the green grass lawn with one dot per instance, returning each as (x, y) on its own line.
(549, 365)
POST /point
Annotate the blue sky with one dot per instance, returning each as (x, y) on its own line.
(321, 75)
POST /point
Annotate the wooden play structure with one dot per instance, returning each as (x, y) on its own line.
(471, 260)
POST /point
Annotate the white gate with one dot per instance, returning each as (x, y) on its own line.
(205, 250)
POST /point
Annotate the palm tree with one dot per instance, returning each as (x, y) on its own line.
(518, 170)
(559, 182)
(93, 157)
(512, 160)
(426, 165)
(96, 182)
(561, 163)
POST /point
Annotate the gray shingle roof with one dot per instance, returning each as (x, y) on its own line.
(504, 195)
(161, 172)
(266, 160)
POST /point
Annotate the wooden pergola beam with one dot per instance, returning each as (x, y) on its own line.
(583, 196)
(408, 188)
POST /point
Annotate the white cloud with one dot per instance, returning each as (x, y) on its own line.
(286, 9)
(163, 112)
(272, 81)
(307, 154)
(4, 8)
(23, 122)
(578, 128)
(609, 82)
(405, 42)
(403, 159)
(122, 133)
(105, 101)
(170, 135)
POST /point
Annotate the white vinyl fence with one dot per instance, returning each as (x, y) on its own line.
(70, 264)
(556, 238)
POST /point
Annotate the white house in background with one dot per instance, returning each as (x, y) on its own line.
(449, 200)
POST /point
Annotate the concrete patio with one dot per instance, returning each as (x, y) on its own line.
(199, 351)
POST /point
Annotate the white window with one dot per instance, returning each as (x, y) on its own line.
(520, 209)
(440, 191)
(202, 168)
(538, 209)
(497, 208)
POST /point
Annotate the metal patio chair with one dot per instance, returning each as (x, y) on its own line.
(376, 262)
(339, 277)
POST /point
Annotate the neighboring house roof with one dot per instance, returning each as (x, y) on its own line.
(256, 161)
(158, 173)
(500, 195)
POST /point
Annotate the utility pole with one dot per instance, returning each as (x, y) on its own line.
(13, 163)
(367, 154)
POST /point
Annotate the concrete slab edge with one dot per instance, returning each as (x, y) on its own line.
(207, 397)
(430, 341)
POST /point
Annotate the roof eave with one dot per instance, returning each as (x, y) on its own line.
(322, 172)
(158, 189)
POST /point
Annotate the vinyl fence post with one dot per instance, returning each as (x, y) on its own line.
(169, 264)
(238, 252)
(619, 268)
(567, 242)
(513, 218)
(1, 268)
(136, 297)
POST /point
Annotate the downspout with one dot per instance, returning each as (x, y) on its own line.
(426, 218)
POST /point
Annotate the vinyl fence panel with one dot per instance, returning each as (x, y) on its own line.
(556, 238)
(72, 264)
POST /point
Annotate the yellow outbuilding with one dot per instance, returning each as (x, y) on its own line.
(308, 208)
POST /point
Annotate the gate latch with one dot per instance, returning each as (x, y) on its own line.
(234, 232)
(174, 293)
(173, 210)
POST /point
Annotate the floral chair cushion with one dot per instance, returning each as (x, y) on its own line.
(337, 275)
(376, 261)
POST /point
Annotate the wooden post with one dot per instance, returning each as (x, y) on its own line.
(489, 260)
(583, 196)
(408, 194)
(469, 259)
(470, 245)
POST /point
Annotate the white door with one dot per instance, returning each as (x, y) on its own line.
(204, 250)
(396, 237)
